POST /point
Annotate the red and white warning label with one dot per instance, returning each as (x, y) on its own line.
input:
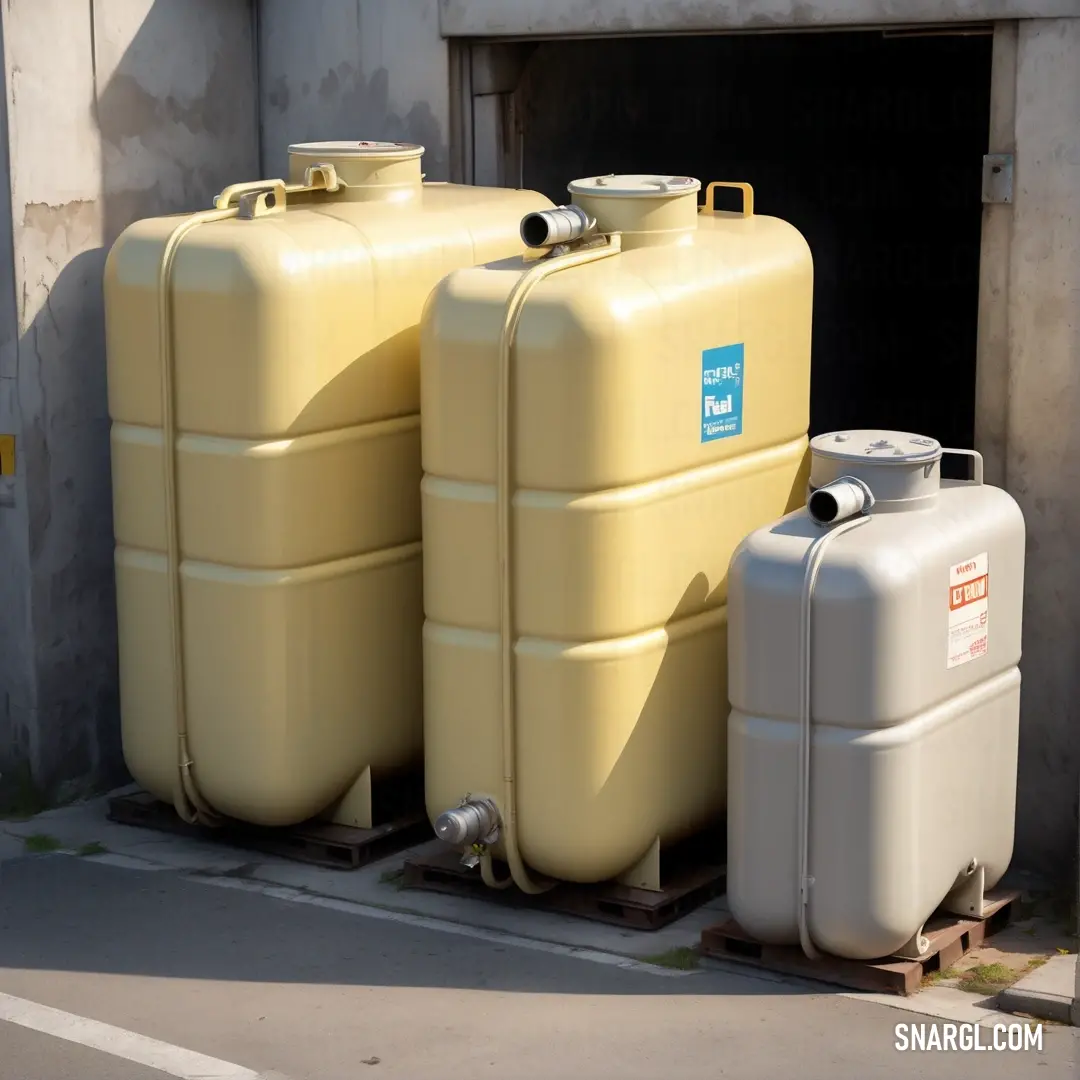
(969, 609)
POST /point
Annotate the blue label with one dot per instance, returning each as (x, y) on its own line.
(722, 372)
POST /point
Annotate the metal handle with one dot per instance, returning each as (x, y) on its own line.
(746, 189)
(321, 177)
(258, 197)
(233, 192)
(977, 468)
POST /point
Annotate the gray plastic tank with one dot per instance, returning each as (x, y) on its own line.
(875, 693)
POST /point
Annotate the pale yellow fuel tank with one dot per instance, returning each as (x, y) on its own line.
(268, 561)
(639, 395)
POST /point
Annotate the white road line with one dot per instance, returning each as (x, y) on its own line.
(424, 922)
(174, 1060)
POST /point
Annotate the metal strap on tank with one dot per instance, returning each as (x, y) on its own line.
(515, 304)
(188, 802)
(247, 201)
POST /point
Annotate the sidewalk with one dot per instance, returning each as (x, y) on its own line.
(1047, 993)
(123, 974)
(372, 891)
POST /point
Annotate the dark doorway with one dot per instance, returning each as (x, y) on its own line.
(870, 145)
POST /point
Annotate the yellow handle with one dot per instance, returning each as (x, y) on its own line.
(233, 192)
(748, 196)
(320, 177)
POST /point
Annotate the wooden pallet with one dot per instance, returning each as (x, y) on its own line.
(690, 883)
(951, 937)
(319, 843)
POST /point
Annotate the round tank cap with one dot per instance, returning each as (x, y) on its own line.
(635, 185)
(884, 446)
(365, 148)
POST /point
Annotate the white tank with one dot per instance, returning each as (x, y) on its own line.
(875, 693)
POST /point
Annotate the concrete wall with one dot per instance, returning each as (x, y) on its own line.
(1042, 453)
(992, 362)
(554, 18)
(18, 694)
(115, 109)
(364, 69)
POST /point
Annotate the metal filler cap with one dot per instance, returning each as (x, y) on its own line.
(884, 447)
(635, 185)
(364, 149)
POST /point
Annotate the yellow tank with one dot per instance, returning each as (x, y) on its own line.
(268, 565)
(655, 412)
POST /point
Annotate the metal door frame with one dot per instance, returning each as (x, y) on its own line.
(487, 148)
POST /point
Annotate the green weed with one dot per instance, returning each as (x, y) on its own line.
(41, 844)
(988, 979)
(684, 958)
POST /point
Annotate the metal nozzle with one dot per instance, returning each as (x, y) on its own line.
(545, 228)
(475, 821)
(838, 501)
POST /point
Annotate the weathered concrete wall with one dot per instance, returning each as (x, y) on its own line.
(554, 18)
(63, 581)
(363, 69)
(1043, 432)
(992, 366)
(115, 109)
(17, 690)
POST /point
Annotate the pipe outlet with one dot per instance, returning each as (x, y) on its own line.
(475, 821)
(842, 499)
(545, 228)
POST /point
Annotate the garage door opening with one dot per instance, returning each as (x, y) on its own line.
(870, 145)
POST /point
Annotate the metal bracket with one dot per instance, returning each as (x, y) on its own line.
(256, 204)
(322, 177)
(915, 948)
(257, 198)
(7, 455)
(997, 179)
(969, 898)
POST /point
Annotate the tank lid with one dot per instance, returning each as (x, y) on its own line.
(365, 149)
(885, 447)
(634, 185)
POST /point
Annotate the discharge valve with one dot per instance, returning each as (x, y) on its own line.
(474, 822)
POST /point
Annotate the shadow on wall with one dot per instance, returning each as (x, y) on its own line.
(65, 449)
(1048, 799)
(175, 109)
(365, 69)
(344, 104)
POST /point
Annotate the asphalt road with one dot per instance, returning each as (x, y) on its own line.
(29, 1055)
(299, 992)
